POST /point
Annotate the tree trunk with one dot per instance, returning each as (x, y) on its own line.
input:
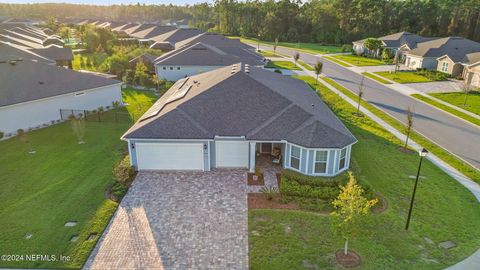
(345, 248)
(316, 80)
(406, 141)
(465, 100)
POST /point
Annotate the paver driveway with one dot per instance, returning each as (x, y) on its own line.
(178, 220)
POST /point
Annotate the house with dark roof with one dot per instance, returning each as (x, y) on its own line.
(33, 93)
(393, 42)
(198, 58)
(225, 117)
(177, 35)
(443, 54)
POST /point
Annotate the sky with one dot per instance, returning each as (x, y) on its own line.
(109, 2)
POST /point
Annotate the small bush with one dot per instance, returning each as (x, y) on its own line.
(278, 71)
(119, 190)
(1, 135)
(290, 187)
(124, 172)
(315, 181)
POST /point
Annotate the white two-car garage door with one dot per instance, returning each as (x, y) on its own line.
(232, 154)
(164, 156)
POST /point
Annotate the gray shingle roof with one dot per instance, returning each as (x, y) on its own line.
(28, 80)
(55, 53)
(399, 39)
(177, 35)
(198, 54)
(12, 52)
(259, 104)
(471, 58)
(454, 47)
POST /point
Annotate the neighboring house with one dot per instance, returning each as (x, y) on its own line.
(163, 46)
(443, 54)
(194, 59)
(62, 56)
(471, 70)
(147, 59)
(12, 52)
(223, 118)
(53, 40)
(393, 42)
(33, 93)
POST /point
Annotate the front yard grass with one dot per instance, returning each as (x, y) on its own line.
(332, 59)
(63, 181)
(444, 210)
(457, 99)
(446, 108)
(455, 162)
(305, 65)
(282, 65)
(360, 60)
(413, 76)
(376, 78)
(302, 46)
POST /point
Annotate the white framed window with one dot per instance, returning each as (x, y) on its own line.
(164, 68)
(445, 67)
(171, 68)
(295, 155)
(178, 68)
(320, 162)
(342, 161)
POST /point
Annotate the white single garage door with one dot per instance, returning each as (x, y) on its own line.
(231, 154)
(166, 156)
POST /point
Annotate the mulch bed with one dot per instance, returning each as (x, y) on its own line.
(382, 204)
(251, 182)
(352, 259)
(259, 201)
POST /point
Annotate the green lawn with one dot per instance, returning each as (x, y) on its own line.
(360, 60)
(457, 99)
(64, 181)
(336, 61)
(268, 53)
(302, 46)
(455, 162)
(446, 108)
(305, 65)
(282, 65)
(444, 210)
(404, 76)
(376, 78)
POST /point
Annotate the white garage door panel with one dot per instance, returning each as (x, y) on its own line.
(152, 156)
(231, 154)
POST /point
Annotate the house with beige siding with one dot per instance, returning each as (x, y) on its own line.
(471, 70)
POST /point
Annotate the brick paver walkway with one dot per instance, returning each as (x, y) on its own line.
(178, 220)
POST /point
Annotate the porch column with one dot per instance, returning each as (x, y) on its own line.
(251, 159)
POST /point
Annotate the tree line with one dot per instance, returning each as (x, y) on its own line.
(320, 21)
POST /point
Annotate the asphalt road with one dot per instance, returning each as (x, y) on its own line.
(451, 133)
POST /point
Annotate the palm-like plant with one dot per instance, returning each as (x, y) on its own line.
(408, 126)
(275, 47)
(361, 90)
(318, 69)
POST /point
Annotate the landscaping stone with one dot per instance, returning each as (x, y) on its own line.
(92, 236)
(28, 236)
(447, 244)
(414, 176)
(70, 224)
(74, 238)
(428, 240)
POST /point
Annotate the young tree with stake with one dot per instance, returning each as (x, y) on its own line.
(275, 47)
(466, 90)
(361, 89)
(296, 56)
(408, 126)
(351, 207)
(318, 69)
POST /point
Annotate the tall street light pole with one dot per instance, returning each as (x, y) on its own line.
(423, 153)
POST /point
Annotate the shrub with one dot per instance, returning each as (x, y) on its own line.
(278, 71)
(124, 172)
(344, 48)
(119, 190)
(315, 181)
(1, 135)
(290, 187)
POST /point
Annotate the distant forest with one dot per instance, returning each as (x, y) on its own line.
(320, 21)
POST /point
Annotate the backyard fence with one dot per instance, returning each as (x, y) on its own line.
(98, 116)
